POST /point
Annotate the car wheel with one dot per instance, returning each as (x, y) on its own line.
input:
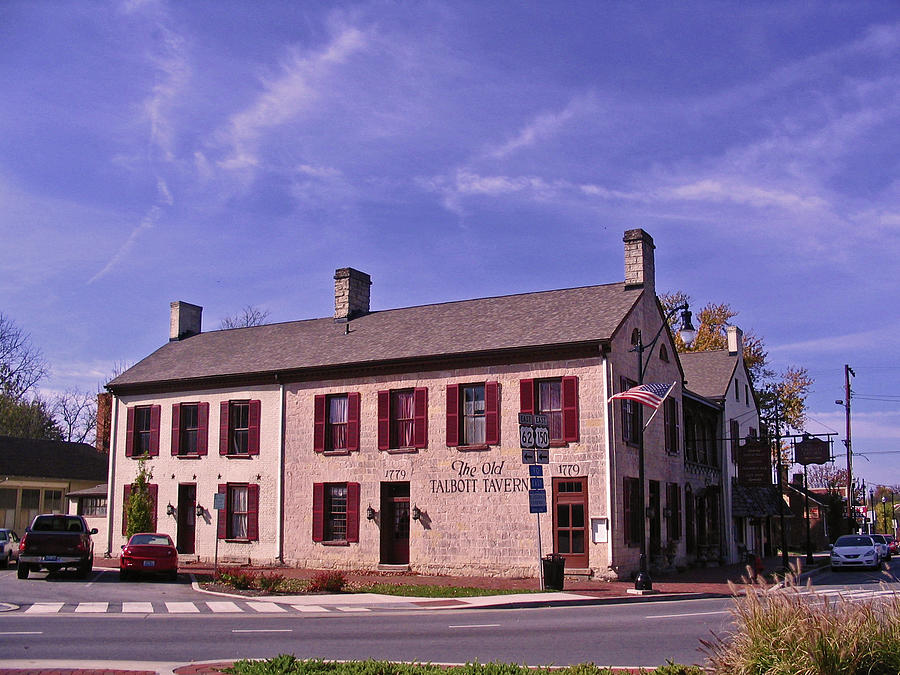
(84, 570)
(173, 575)
(123, 575)
(22, 571)
(5, 562)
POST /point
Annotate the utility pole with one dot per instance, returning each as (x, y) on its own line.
(848, 371)
(785, 561)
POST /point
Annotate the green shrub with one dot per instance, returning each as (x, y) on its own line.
(236, 577)
(327, 582)
(270, 583)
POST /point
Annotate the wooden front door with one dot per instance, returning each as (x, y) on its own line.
(187, 517)
(395, 523)
(570, 526)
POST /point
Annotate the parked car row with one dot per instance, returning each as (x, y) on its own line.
(57, 541)
(867, 551)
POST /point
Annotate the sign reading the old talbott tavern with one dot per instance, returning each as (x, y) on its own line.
(755, 464)
(812, 451)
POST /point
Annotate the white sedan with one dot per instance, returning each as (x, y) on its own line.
(855, 550)
(9, 547)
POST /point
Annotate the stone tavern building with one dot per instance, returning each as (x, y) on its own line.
(389, 439)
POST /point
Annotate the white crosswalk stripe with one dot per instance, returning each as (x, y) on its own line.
(182, 608)
(137, 607)
(223, 607)
(92, 607)
(171, 607)
(45, 608)
(266, 607)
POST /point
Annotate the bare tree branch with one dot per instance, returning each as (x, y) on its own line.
(22, 365)
(76, 414)
(249, 316)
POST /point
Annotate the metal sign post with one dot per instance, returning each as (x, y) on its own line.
(218, 507)
(534, 440)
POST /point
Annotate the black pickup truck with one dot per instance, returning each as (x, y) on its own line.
(55, 541)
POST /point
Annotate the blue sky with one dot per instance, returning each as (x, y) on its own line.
(236, 153)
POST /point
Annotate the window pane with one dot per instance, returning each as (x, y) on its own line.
(564, 546)
(189, 421)
(53, 501)
(239, 421)
(577, 541)
(550, 403)
(473, 415)
(337, 512)
(577, 515)
(562, 515)
(336, 437)
(239, 512)
(403, 408)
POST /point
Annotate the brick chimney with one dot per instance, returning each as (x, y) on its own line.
(184, 320)
(351, 293)
(735, 340)
(104, 421)
(640, 269)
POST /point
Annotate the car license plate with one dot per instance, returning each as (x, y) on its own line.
(149, 563)
(50, 558)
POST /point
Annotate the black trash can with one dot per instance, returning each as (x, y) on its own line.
(554, 566)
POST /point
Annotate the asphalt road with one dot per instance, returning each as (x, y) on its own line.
(635, 634)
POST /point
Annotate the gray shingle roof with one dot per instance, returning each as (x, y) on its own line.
(51, 459)
(757, 501)
(709, 373)
(547, 318)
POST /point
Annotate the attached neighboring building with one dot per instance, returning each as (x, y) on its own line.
(36, 476)
(391, 439)
(714, 441)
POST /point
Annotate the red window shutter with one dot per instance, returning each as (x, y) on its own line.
(420, 417)
(319, 423)
(153, 490)
(318, 533)
(129, 432)
(224, 436)
(353, 512)
(203, 428)
(253, 431)
(222, 515)
(253, 512)
(154, 430)
(570, 409)
(452, 415)
(353, 421)
(125, 498)
(492, 413)
(384, 420)
(526, 396)
(176, 430)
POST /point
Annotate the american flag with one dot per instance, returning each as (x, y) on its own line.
(651, 395)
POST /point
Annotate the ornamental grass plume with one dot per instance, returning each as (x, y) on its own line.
(794, 630)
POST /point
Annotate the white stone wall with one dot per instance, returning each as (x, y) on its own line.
(476, 518)
(206, 472)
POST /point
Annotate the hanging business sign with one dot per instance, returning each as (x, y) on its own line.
(812, 451)
(755, 464)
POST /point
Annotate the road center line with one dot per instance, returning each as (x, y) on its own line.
(262, 630)
(477, 625)
(22, 632)
(678, 616)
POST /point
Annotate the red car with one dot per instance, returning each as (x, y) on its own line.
(149, 553)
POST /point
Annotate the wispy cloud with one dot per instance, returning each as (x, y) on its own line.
(285, 96)
(154, 213)
(543, 126)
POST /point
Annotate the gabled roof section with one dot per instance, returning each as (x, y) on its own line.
(709, 373)
(30, 458)
(468, 327)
